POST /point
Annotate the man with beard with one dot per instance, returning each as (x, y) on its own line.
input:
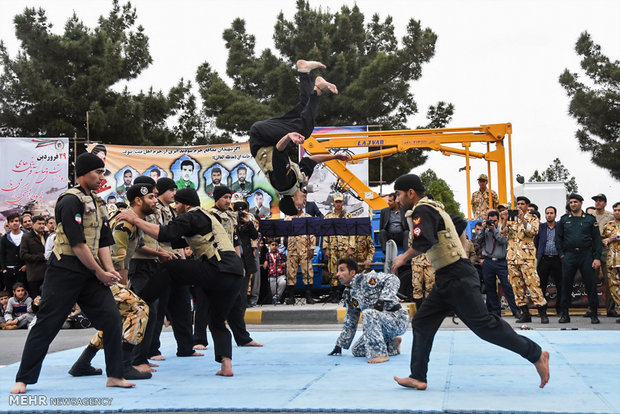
(216, 180)
(242, 185)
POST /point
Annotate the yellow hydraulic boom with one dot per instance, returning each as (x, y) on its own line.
(440, 139)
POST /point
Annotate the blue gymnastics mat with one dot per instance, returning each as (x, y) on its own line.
(293, 373)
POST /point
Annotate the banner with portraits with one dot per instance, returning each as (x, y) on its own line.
(199, 167)
(33, 173)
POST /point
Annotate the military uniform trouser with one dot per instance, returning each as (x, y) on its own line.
(295, 262)
(524, 279)
(422, 280)
(610, 303)
(613, 280)
(61, 290)
(222, 290)
(332, 265)
(457, 288)
(380, 328)
(570, 263)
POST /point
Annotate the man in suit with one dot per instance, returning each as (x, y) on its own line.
(393, 224)
(547, 255)
(31, 251)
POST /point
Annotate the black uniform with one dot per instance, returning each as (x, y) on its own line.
(578, 241)
(220, 280)
(457, 289)
(301, 120)
(68, 281)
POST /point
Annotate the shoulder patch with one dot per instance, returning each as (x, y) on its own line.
(417, 231)
(417, 220)
(372, 281)
(78, 218)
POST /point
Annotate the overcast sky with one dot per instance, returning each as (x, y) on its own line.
(496, 60)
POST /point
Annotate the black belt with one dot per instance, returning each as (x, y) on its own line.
(394, 308)
(550, 256)
(579, 249)
(494, 259)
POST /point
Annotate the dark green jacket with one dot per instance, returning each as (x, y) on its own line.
(580, 232)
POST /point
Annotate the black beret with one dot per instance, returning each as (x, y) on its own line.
(87, 162)
(164, 184)
(187, 196)
(287, 206)
(143, 179)
(575, 196)
(220, 191)
(138, 190)
(409, 182)
(524, 198)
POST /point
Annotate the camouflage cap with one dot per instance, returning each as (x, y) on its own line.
(483, 177)
(338, 197)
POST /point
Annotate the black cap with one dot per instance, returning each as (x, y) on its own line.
(164, 184)
(187, 196)
(87, 162)
(409, 182)
(287, 206)
(600, 196)
(524, 198)
(220, 191)
(575, 196)
(138, 190)
(143, 179)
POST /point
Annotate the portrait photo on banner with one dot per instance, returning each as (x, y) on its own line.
(185, 172)
(241, 179)
(215, 175)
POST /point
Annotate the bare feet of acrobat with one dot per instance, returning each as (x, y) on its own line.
(144, 368)
(158, 358)
(19, 388)
(252, 343)
(410, 383)
(321, 85)
(200, 347)
(542, 367)
(307, 66)
(119, 382)
(396, 343)
(379, 359)
(226, 368)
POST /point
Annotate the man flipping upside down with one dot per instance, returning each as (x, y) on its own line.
(269, 138)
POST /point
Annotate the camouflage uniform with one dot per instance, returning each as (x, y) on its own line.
(521, 258)
(422, 275)
(338, 246)
(298, 249)
(134, 311)
(612, 229)
(480, 203)
(380, 326)
(364, 249)
(602, 272)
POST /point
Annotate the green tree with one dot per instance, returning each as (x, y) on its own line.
(372, 71)
(440, 190)
(47, 89)
(596, 106)
(556, 172)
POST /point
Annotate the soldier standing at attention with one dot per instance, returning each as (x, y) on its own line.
(521, 258)
(373, 295)
(480, 199)
(337, 247)
(300, 254)
(611, 240)
(579, 243)
(457, 287)
(80, 270)
(602, 218)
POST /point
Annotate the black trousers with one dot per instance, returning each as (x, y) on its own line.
(201, 316)
(61, 289)
(457, 288)
(570, 263)
(551, 266)
(11, 276)
(236, 317)
(222, 289)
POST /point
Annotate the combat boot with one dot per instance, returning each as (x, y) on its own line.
(594, 316)
(82, 366)
(525, 315)
(542, 312)
(309, 299)
(290, 295)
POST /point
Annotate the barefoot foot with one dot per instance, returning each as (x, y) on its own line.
(226, 368)
(157, 358)
(410, 383)
(252, 343)
(307, 66)
(153, 365)
(144, 368)
(396, 343)
(119, 382)
(322, 85)
(200, 347)
(18, 388)
(379, 359)
(542, 367)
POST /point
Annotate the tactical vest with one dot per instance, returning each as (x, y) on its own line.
(264, 159)
(164, 216)
(211, 244)
(227, 221)
(93, 218)
(449, 248)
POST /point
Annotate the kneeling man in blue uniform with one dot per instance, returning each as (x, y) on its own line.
(373, 295)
